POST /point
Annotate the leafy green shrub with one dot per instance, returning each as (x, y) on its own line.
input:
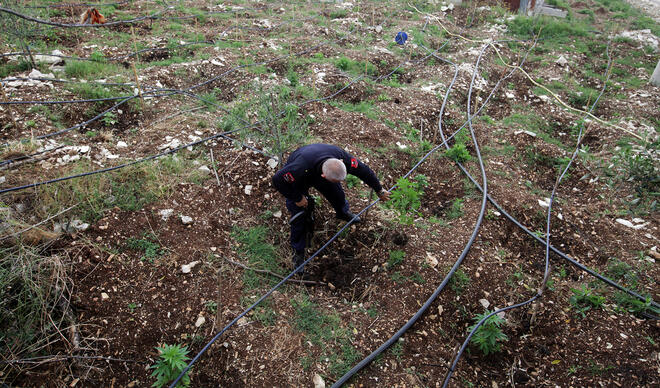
(584, 299)
(489, 335)
(406, 199)
(171, 362)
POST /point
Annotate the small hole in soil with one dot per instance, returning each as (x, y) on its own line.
(397, 101)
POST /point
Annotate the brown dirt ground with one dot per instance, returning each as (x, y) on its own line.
(152, 302)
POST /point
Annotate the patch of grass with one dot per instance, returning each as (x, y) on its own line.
(252, 244)
(367, 108)
(456, 209)
(459, 282)
(326, 331)
(147, 245)
(355, 67)
(32, 284)
(90, 69)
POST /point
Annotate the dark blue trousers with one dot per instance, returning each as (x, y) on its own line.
(333, 192)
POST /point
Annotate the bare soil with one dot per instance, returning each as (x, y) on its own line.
(126, 304)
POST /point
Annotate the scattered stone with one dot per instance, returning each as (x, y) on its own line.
(78, 225)
(374, 269)
(165, 214)
(401, 146)
(186, 220)
(83, 149)
(530, 133)
(186, 268)
(510, 95)
(200, 321)
(204, 169)
(637, 225)
(248, 189)
(2, 179)
(484, 303)
(655, 77)
(430, 260)
(272, 163)
(318, 381)
(121, 144)
(623, 336)
(379, 29)
(277, 214)
(242, 321)
(561, 61)
(104, 296)
(544, 202)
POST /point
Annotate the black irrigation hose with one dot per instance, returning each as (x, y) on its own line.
(108, 24)
(546, 273)
(468, 245)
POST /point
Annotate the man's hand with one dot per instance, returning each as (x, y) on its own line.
(384, 195)
(302, 202)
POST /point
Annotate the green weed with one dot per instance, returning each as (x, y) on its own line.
(584, 299)
(172, 360)
(489, 335)
(406, 199)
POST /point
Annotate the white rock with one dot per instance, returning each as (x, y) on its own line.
(121, 144)
(544, 202)
(248, 189)
(430, 260)
(204, 169)
(242, 321)
(272, 163)
(530, 133)
(561, 61)
(200, 321)
(401, 146)
(186, 268)
(79, 225)
(104, 296)
(165, 214)
(2, 179)
(186, 220)
(318, 381)
(277, 214)
(379, 28)
(484, 303)
(630, 224)
(83, 149)
(510, 95)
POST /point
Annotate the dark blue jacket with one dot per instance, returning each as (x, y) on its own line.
(303, 169)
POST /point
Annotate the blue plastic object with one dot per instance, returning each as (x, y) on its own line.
(401, 38)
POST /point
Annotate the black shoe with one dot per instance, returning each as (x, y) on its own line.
(298, 259)
(349, 216)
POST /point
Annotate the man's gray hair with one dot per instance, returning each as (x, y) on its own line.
(334, 169)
